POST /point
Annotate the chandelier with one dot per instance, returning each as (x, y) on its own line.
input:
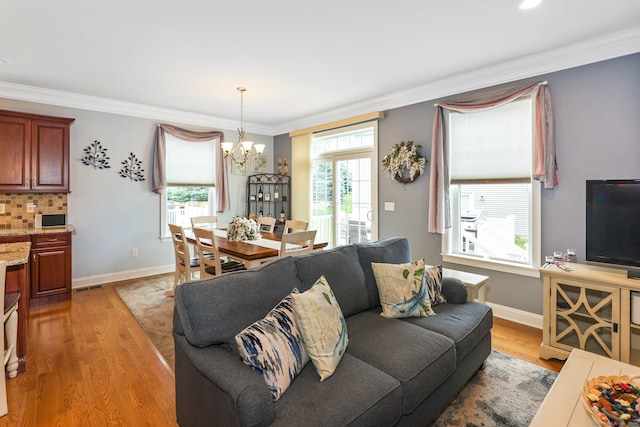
(241, 148)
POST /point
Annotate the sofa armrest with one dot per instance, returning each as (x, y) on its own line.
(454, 290)
(241, 393)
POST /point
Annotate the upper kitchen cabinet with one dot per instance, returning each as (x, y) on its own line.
(35, 153)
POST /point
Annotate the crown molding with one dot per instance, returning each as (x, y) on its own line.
(594, 50)
(105, 105)
(590, 51)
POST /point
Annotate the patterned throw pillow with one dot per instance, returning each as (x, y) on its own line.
(322, 326)
(403, 289)
(273, 347)
(433, 276)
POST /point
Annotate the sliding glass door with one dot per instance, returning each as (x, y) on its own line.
(343, 186)
(354, 219)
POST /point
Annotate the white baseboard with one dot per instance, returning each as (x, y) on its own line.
(515, 315)
(84, 282)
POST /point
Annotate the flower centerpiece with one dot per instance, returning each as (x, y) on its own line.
(241, 229)
(404, 163)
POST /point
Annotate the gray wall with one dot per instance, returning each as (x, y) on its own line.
(113, 214)
(597, 124)
(597, 115)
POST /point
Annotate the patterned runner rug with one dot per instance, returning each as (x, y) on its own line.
(506, 393)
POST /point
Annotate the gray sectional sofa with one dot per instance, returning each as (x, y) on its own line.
(394, 372)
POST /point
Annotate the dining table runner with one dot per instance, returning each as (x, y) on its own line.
(265, 243)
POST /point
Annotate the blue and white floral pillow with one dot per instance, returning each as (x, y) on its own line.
(322, 326)
(403, 289)
(273, 346)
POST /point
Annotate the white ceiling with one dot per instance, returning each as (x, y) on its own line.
(303, 63)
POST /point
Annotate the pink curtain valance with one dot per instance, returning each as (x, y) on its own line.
(544, 152)
(159, 176)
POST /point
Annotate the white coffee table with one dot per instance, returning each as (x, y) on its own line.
(563, 404)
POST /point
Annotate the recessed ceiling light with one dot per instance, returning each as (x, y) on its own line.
(529, 4)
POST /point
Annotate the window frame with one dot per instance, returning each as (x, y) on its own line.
(165, 236)
(529, 269)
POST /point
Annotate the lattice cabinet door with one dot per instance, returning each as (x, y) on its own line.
(587, 316)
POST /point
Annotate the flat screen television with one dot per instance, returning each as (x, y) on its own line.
(613, 224)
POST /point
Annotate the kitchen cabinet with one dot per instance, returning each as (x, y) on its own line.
(35, 153)
(589, 308)
(17, 280)
(50, 267)
(269, 195)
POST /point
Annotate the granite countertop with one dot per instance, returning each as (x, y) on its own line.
(30, 231)
(15, 253)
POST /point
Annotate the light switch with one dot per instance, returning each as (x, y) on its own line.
(389, 206)
(31, 207)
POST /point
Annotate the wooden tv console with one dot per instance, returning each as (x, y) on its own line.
(589, 308)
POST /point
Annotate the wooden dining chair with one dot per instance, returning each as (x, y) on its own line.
(205, 221)
(215, 265)
(10, 330)
(266, 224)
(186, 265)
(292, 225)
(302, 239)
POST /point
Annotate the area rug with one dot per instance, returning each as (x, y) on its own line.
(506, 393)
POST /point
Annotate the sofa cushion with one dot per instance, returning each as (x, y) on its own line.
(322, 326)
(466, 324)
(420, 359)
(391, 251)
(357, 394)
(214, 310)
(433, 277)
(341, 267)
(273, 347)
(402, 289)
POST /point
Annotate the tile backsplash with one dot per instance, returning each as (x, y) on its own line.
(16, 206)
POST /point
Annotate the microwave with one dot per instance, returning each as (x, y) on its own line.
(51, 220)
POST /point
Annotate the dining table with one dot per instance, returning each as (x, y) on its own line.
(251, 253)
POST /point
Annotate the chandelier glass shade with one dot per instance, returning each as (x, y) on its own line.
(242, 150)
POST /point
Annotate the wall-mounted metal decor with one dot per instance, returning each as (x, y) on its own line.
(96, 155)
(132, 168)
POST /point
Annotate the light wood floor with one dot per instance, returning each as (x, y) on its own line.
(90, 363)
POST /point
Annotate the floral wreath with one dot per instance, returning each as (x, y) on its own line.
(404, 163)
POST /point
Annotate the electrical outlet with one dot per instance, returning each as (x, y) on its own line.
(31, 207)
(2, 208)
(134, 252)
(389, 206)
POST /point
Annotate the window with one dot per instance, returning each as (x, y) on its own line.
(495, 208)
(190, 170)
(343, 184)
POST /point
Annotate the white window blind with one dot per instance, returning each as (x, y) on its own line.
(190, 163)
(493, 145)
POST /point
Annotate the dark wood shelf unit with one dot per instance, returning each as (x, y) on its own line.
(269, 204)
